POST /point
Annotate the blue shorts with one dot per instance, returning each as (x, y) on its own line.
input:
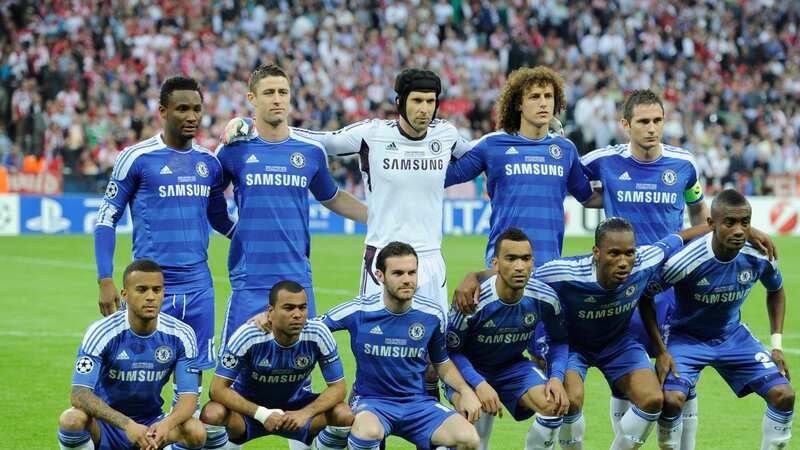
(196, 309)
(621, 357)
(255, 429)
(665, 303)
(511, 384)
(246, 303)
(113, 438)
(740, 359)
(414, 419)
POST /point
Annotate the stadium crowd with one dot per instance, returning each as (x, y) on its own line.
(79, 79)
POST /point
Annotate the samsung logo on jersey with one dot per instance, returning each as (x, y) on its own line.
(608, 312)
(184, 190)
(504, 338)
(534, 169)
(137, 375)
(289, 378)
(724, 297)
(394, 351)
(413, 164)
(668, 198)
(275, 179)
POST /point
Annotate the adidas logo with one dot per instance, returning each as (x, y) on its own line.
(590, 299)
(264, 363)
(122, 355)
(165, 171)
(376, 330)
(512, 151)
(252, 159)
(489, 324)
(391, 147)
(625, 176)
(703, 282)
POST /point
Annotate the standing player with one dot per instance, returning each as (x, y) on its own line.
(529, 170)
(487, 347)
(174, 189)
(123, 363)
(260, 370)
(712, 277)
(393, 334)
(272, 176)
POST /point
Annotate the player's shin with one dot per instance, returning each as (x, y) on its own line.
(331, 438)
(356, 443)
(777, 428)
(570, 437)
(635, 426)
(617, 408)
(216, 437)
(484, 427)
(669, 432)
(543, 433)
(75, 440)
(689, 419)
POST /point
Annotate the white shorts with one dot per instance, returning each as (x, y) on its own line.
(431, 276)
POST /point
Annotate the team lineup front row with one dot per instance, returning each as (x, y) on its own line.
(585, 304)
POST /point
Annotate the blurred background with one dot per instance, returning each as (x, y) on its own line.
(79, 80)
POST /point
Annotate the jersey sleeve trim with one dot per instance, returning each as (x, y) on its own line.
(128, 156)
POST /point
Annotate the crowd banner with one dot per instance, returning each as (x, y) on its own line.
(75, 214)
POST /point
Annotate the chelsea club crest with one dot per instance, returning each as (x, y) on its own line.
(669, 177)
(555, 151)
(163, 354)
(298, 160)
(416, 331)
(631, 289)
(201, 168)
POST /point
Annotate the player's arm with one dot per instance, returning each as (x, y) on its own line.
(578, 184)
(342, 142)
(328, 398)
(120, 190)
(457, 329)
(468, 404)
(217, 206)
(468, 166)
(347, 205)
(664, 361)
(556, 329)
(776, 308)
(84, 398)
(221, 392)
(467, 293)
(187, 379)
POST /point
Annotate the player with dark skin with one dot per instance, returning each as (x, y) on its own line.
(287, 318)
(181, 117)
(143, 294)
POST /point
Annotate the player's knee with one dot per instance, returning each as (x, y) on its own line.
(673, 402)
(369, 430)
(194, 433)
(781, 397)
(73, 419)
(341, 416)
(467, 437)
(575, 398)
(213, 413)
(651, 401)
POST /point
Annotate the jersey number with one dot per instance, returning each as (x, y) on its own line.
(764, 359)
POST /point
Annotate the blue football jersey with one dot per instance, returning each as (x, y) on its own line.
(651, 195)
(391, 350)
(270, 374)
(709, 293)
(271, 184)
(594, 315)
(128, 371)
(172, 195)
(527, 181)
(497, 333)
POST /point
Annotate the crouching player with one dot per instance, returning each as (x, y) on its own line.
(123, 363)
(487, 346)
(258, 388)
(712, 277)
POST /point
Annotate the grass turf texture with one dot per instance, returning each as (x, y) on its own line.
(50, 298)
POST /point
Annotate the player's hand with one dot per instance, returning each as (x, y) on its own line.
(777, 357)
(490, 401)
(294, 420)
(554, 391)
(763, 243)
(137, 434)
(261, 320)
(469, 406)
(664, 365)
(465, 298)
(109, 297)
(157, 432)
(274, 422)
(556, 127)
(238, 129)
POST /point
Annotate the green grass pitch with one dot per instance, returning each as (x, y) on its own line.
(49, 298)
